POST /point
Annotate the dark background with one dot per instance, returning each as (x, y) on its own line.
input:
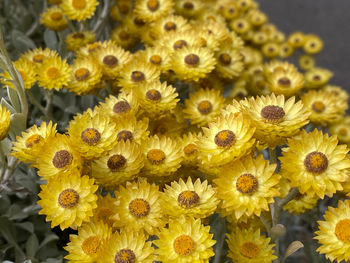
(329, 19)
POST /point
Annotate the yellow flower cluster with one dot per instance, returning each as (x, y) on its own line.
(170, 146)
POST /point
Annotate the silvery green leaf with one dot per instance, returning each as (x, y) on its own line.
(4, 204)
(5, 146)
(14, 99)
(7, 105)
(21, 42)
(48, 239)
(7, 231)
(32, 245)
(50, 39)
(2, 62)
(28, 226)
(59, 102)
(18, 124)
(26, 182)
(20, 80)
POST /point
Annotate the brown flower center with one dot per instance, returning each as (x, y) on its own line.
(62, 159)
(316, 162)
(56, 16)
(205, 107)
(78, 35)
(124, 135)
(184, 245)
(82, 74)
(116, 162)
(121, 107)
(179, 44)
(155, 59)
(285, 82)
(318, 106)
(123, 35)
(153, 5)
(68, 198)
(156, 156)
(342, 230)
(53, 73)
(139, 22)
(192, 60)
(79, 4)
(224, 138)
(170, 26)
(38, 58)
(272, 113)
(153, 95)
(139, 207)
(247, 184)
(90, 245)
(125, 256)
(34, 139)
(110, 61)
(225, 59)
(188, 6)
(249, 250)
(90, 136)
(343, 132)
(190, 149)
(188, 199)
(137, 76)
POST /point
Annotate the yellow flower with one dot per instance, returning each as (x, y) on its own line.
(241, 26)
(158, 56)
(105, 211)
(244, 223)
(175, 41)
(203, 106)
(248, 246)
(139, 207)
(284, 82)
(334, 233)
(247, 186)
(296, 39)
(189, 150)
(112, 59)
(168, 24)
(121, 164)
(232, 108)
(340, 95)
(170, 126)
(271, 50)
(58, 158)
(127, 247)
(189, 9)
(274, 118)
(314, 163)
(229, 62)
(76, 40)
(68, 200)
(27, 71)
(39, 55)
(317, 77)
(306, 62)
(313, 44)
(86, 246)
(342, 130)
(53, 73)
(152, 10)
(277, 65)
(136, 73)
(325, 108)
(286, 50)
(122, 36)
(4, 122)
(129, 128)
(301, 203)
(53, 18)
(124, 105)
(190, 199)
(85, 76)
(227, 139)
(28, 148)
(90, 49)
(157, 99)
(192, 63)
(79, 9)
(185, 240)
(92, 135)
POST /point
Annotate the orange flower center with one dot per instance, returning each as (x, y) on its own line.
(56, 16)
(68, 198)
(184, 245)
(225, 59)
(53, 73)
(125, 256)
(188, 199)
(247, 184)
(343, 132)
(152, 5)
(38, 58)
(318, 106)
(190, 149)
(342, 230)
(90, 245)
(224, 138)
(155, 59)
(82, 74)
(156, 156)
(170, 26)
(249, 250)
(79, 4)
(139, 207)
(316, 162)
(205, 107)
(34, 139)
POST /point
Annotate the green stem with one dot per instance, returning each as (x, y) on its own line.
(34, 101)
(3, 164)
(48, 107)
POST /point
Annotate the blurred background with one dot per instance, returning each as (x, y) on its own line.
(328, 19)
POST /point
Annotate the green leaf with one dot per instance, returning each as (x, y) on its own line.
(21, 42)
(5, 146)
(32, 245)
(4, 204)
(18, 124)
(28, 226)
(14, 99)
(50, 39)
(15, 212)
(27, 182)
(48, 239)
(7, 231)
(7, 105)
